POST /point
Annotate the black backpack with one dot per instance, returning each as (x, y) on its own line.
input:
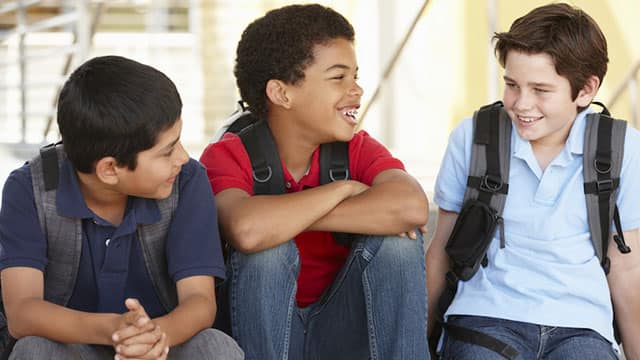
(485, 197)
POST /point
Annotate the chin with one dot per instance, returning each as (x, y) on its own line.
(346, 136)
(161, 194)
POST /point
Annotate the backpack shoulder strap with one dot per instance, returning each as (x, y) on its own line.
(268, 176)
(488, 179)
(334, 162)
(153, 240)
(602, 163)
(50, 170)
(64, 235)
(334, 165)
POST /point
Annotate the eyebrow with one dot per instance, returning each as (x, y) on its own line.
(339, 66)
(535, 84)
(170, 145)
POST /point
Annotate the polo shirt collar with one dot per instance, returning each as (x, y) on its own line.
(70, 202)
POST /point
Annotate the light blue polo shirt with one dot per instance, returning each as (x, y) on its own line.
(548, 273)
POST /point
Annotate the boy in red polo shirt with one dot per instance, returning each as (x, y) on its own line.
(293, 291)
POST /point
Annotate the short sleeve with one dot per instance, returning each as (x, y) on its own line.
(454, 168)
(629, 194)
(193, 243)
(228, 165)
(21, 240)
(368, 158)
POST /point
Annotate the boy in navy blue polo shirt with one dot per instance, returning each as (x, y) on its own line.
(122, 280)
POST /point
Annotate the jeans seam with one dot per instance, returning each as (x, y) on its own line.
(333, 288)
(370, 318)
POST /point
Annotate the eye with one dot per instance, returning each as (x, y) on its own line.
(511, 85)
(169, 153)
(337, 77)
(538, 90)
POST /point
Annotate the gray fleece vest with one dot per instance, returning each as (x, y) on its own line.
(64, 241)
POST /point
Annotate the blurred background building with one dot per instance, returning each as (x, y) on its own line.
(424, 65)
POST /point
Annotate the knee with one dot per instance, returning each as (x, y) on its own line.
(269, 261)
(34, 347)
(399, 251)
(215, 344)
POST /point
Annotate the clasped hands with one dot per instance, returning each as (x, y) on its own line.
(137, 336)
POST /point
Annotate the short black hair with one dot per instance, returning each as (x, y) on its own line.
(114, 106)
(280, 45)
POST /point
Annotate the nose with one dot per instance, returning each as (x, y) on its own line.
(356, 90)
(524, 101)
(182, 155)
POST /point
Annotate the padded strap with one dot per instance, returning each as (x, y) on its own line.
(334, 165)
(49, 156)
(334, 162)
(602, 164)
(268, 176)
(488, 178)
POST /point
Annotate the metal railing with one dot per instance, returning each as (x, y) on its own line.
(76, 19)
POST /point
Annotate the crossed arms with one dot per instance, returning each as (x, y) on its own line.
(395, 203)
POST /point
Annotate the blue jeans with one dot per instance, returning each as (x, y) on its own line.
(375, 308)
(530, 340)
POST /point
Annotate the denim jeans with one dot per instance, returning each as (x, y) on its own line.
(530, 340)
(207, 344)
(375, 308)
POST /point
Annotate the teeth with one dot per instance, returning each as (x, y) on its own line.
(527, 119)
(351, 113)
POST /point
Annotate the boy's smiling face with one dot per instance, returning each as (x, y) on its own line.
(539, 101)
(325, 103)
(157, 168)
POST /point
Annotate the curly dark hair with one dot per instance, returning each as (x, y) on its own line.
(280, 46)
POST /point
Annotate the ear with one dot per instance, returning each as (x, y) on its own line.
(588, 91)
(277, 93)
(107, 170)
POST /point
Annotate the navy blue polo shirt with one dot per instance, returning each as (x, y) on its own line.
(112, 264)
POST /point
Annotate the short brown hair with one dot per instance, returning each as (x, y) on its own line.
(567, 34)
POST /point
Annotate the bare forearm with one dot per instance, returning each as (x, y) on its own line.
(438, 266)
(438, 263)
(262, 222)
(387, 208)
(191, 316)
(37, 317)
(626, 301)
(623, 279)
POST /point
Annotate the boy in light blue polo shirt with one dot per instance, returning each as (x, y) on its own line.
(544, 293)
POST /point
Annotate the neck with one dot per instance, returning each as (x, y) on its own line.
(102, 199)
(295, 147)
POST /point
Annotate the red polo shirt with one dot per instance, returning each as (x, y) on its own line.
(321, 258)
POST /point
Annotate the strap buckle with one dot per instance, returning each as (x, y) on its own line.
(604, 186)
(491, 183)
